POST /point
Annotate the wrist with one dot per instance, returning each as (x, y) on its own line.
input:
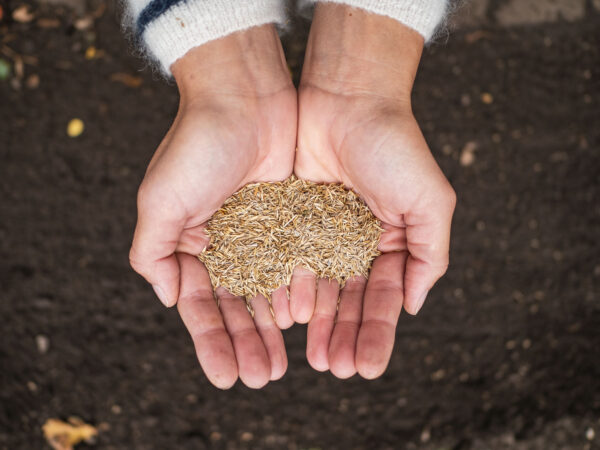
(352, 51)
(248, 63)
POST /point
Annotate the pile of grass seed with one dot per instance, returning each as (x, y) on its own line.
(266, 229)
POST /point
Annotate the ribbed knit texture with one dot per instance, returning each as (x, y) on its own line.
(170, 28)
(422, 16)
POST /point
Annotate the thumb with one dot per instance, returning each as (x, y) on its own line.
(428, 242)
(155, 239)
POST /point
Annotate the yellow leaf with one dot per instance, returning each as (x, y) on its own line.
(75, 128)
(90, 52)
(63, 436)
(128, 80)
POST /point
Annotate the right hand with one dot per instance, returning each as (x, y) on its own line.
(236, 124)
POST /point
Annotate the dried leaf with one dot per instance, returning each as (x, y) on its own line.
(22, 14)
(19, 67)
(131, 81)
(75, 127)
(48, 23)
(63, 436)
(90, 52)
(474, 36)
(33, 81)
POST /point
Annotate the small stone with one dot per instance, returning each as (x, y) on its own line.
(425, 435)
(487, 98)
(438, 375)
(246, 436)
(480, 225)
(526, 344)
(343, 406)
(33, 81)
(401, 402)
(215, 436)
(465, 99)
(83, 23)
(22, 14)
(32, 386)
(518, 296)
(510, 345)
(590, 434)
(463, 377)
(43, 343)
(467, 155)
(116, 409)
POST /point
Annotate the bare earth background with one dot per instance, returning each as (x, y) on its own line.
(504, 355)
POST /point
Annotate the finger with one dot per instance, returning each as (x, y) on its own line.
(342, 347)
(159, 225)
(381, 309)
(254, 366)
(193, 240)
(393, 239)
(303, 294)
(281, 308)
(428, 242)
(320, 326)
(202, 318)
(270, 335)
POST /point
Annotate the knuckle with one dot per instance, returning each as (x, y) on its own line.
(452, 199)
(442, 267)
(449, 196)
(144, 196)
(135, 262)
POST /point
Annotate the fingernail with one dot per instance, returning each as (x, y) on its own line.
(161, 295)
(421, 301)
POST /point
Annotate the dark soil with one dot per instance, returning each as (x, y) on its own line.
(505, 354)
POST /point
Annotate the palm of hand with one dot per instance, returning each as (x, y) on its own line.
(376, 148)
(213, 149)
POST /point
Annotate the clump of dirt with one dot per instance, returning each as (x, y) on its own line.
(266, 229)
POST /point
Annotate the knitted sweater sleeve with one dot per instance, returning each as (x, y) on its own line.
(168, 29)
(422, 16)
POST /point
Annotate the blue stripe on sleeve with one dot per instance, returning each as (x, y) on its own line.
(151, 12)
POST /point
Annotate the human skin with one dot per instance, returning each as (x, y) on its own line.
(356, 126)
(236, 124)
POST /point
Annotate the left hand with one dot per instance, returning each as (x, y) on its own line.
(356, 127)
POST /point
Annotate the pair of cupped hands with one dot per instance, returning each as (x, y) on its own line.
(240, 121)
